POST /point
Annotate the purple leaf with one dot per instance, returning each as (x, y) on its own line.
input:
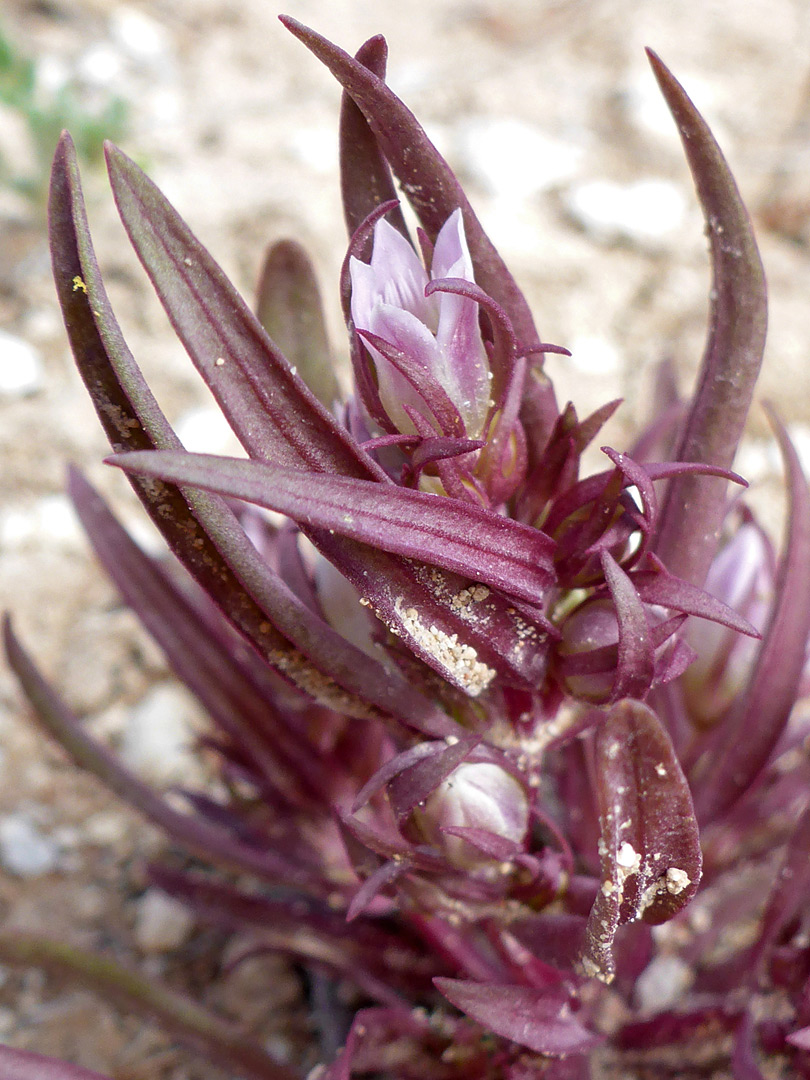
(488, 843)
(743, 1061)
(635, 666)
(205, 841)
(413, 784)
(270, 408)
(667, 591)
(650, 845)
(540, 1019)
(200, 529)
(275, 415)
(455, 536)
(23, 1065)
(385, 874)
(365, 179)
(676, 1029)
(790, 889)
(202, 656)
(288, 305)
(694, 507)
(418, 374)
(504, 344)
(800, 1039)
(757, 720)
(558, 465)
(306, 930)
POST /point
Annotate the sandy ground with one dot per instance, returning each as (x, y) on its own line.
(550, 115)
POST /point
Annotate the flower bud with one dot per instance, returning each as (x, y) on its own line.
(478, 795)
(742, 576)
(591, 626)
(444, 362)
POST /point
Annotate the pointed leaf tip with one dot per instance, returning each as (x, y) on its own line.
(694, 505)
(540, 1019)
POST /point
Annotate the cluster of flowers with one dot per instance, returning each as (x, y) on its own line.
(475, 752)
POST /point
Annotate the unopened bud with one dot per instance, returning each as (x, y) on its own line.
(476, 796)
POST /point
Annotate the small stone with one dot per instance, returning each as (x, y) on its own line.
(51, 522)
(626, 856)
(662, 983)
(161, 923)
(206, 431)
(644, 212)
(158, 733)
(21, 371)
(105, 829)
(24, 850)
(138, 35)
(315, 147)
(592, 355)
(101, 65)
(516, 159)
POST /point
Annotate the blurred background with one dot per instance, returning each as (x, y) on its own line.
(549, 114)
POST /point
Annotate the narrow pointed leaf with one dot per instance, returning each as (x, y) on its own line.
(206, 662)
(694, 507)
(270, 408)
(385, 874)
(437, 401)
(790, 889)
(215, 1039)
(744, 1064)
(752, 729)
(443, 532)
(304, 930)
(540, 1019)
(289, 308)
(395, 765)
(488, 843)
(424, 175)
(200, 529)
(671, 592)
(650, 844)
(365, 179)
(205, 841)
(413, 785)
(635, 664)
(276, 416)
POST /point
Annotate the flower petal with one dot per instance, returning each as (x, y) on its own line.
(424, 175)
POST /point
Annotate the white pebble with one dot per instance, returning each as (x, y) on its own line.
(645, 211)
(515, 159)
(101, 65)
(315, 147)
(139, 36)
(21, 371)
(50, 521)
(157, 735)
(161, 923)
(24, 850)
(591, 355)
(206, 431)
(662, 983)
